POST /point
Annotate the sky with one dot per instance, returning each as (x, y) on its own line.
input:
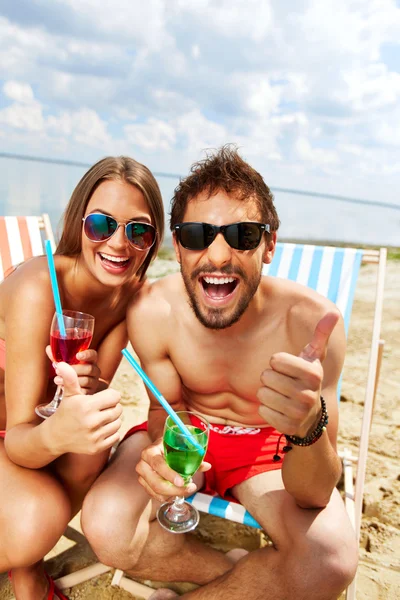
(309, 90)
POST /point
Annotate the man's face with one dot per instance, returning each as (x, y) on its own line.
(221, 281)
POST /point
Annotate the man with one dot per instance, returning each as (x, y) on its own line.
(259, 354)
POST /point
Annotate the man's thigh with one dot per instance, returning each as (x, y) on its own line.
(265, 497)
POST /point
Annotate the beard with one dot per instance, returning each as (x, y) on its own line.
(220, 318)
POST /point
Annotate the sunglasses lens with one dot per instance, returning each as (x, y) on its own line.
(243, 236)
(99, 228)
(196, 236)
(141, 235)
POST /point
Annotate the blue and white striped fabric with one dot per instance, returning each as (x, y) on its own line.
(214, 505)
(328, 270)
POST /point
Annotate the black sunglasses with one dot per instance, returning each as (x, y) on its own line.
(240, 236)
(99, 228)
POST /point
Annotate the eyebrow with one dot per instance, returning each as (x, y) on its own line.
(140, 219)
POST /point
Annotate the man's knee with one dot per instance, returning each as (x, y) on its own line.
(332, 553)
(110, 523)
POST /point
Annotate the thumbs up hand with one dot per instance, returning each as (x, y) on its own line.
(290, 396)
(84, 424)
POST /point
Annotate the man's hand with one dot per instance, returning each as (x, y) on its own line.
(84, 424)
(290, 396)
(88, 372)
(158, 479)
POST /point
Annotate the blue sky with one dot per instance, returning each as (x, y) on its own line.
(309, 90)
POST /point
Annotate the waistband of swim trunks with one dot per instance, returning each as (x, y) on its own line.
(234, 429)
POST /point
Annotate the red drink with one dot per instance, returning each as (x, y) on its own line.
(66, 348)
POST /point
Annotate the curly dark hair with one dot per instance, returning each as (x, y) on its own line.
(224, 170)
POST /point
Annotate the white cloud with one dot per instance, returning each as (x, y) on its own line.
(22, 116)
(304, 85)
(153, 135)
(318, 156)
(19, 91)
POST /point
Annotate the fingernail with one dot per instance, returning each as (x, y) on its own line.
(191, 488)
(54, 365)
(178, 481)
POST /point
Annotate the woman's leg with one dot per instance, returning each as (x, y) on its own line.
(77, 473)
(35, 510)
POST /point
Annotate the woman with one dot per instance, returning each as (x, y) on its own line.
(113, 226)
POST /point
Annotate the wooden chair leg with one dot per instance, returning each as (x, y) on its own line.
(378, 371)
(82, 575)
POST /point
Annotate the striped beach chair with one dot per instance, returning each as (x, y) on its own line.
(22, 238)
(332, 272)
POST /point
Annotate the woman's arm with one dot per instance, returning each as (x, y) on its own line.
(27, 332)
(79, 424)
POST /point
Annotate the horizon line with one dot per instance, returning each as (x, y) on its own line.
(71, 163)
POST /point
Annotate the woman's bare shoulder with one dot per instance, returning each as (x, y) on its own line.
(29, 286)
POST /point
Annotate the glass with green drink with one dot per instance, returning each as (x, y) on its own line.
(184, 457)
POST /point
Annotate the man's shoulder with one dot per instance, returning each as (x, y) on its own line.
(300, 303)
(157, 298)
(291, 292)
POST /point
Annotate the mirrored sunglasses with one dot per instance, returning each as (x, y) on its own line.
(100, 228)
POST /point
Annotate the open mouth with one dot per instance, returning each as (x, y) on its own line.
(114, 262)
(218, 288)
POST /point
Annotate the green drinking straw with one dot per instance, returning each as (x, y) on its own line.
(54, 287)
(162, 401)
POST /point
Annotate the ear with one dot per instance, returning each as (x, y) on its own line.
(176, 248)
(270, 249)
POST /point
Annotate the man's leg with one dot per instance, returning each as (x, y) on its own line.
(314, 553)
(119, 520)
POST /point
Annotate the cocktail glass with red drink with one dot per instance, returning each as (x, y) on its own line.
(65, 345)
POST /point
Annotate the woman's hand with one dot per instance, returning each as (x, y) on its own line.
(83, 424)
(158, 479)
(88, 372)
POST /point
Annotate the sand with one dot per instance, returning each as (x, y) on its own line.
(378, 575)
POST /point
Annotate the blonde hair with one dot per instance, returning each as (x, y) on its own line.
(120, 168)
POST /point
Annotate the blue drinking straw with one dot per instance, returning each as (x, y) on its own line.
(162, 401)
(54, 287)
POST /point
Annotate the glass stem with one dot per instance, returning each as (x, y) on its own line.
(57, 398)
(178, 505)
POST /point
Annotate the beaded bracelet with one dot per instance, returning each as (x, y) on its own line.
(314, 436)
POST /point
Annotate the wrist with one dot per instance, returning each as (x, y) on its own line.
(315, 433)
(51, 438)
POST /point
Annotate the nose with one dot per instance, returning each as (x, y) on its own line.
(219, 252)
(119, 239)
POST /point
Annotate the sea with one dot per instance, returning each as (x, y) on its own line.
(32, 187)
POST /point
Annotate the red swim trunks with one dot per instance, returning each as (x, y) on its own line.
(2, 434)
(236, 454)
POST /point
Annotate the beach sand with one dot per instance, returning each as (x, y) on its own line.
(378, 575)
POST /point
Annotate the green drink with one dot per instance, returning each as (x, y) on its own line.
(180, 454)
(184, 455)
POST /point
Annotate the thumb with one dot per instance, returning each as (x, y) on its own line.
(49, 353)
(70, 379)
(316, 349)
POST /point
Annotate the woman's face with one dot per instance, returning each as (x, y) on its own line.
(115, 261)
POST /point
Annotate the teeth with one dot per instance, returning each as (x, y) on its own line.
(116, 259)
(219, 280)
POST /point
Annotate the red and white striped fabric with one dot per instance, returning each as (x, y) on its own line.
(20, 239)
